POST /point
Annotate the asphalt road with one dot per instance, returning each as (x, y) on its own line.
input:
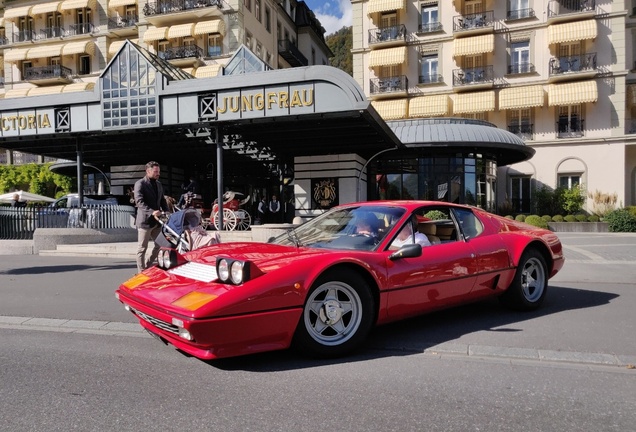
(72, 359)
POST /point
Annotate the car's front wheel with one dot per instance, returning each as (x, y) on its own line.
(337, 316)
(528, 289)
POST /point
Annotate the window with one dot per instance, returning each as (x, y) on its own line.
(268, 19)
(83, 21)
(568, 181)
(247, 4)
(388, 20)
(520, 57)
(518, 9)
(520, 123)
(278, 31)
(569, 122)
(257, 9)
(430, 18)
(248, 39)
(474, 116)
(569, 57)
(428, 64)
(215, 47)
(26, 32)
(520, 194)
(473, 6)
(26, 65)
(313, 56)
(84, 65)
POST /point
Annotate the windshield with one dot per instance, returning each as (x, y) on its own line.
(358, 228)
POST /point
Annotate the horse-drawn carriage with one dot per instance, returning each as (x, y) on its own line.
(234, 217)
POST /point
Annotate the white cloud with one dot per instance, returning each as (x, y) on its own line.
(333, 23)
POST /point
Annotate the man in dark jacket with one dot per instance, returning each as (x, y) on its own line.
(150, 202)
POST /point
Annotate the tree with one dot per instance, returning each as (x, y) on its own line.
(34, 178)
(340, 43)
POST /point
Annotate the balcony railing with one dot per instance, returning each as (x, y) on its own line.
(123, 22)
(47, 72)
(181, 52)
(3, 40)
(172, 6)
(79, 29)
(431, 79)
(580, 63)
(519, 14)
(563, 7)
(291, 53)
(570, 127)
(520, 68)
(387, 34)
(480, 75)
(473, 21)
(24, 36)
(523, 131)
(52, 32)
(430, 27)
(389, 84)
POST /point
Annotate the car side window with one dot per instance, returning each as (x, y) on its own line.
(470, 226)
(437, 224)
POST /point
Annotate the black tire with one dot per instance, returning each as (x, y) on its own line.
(530, 284)
(337, 317)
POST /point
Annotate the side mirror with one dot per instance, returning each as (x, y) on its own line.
(407, 251)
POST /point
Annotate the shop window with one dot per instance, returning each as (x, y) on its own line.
(520, 194)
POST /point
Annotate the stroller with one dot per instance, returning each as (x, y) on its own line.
(184, 232)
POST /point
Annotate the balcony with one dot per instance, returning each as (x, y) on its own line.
(387, 36)
(519, 14)
(79, 29)
(124, 25)
(184, 55)
(46, 75)
(24, 36)
(163, 12)
(430, 79)
(431, 27)
(523, 131)
(291, 54)
(570, 10)
(570, 127)
(389, 87)
(580, 66)
(473, 24)
(521, 68)
(481, 77)
(52, 32)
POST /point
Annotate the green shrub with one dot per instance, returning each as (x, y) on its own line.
(621, 220)
(435, 215)
(536, 221)
(520, 218)
(557, 218)
(547, 218)
(509, 217)
(631, 209)
(548, 201)
(573, 199)
(581, 217)
(593, 218)
(569, 218)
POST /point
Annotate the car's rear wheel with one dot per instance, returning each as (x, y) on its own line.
(338, 315)
(530, 284)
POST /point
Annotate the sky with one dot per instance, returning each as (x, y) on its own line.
(332, 14)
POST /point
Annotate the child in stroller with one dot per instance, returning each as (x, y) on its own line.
(184, 232)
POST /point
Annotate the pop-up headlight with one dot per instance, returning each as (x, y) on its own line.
(169, 258)
(233, 271)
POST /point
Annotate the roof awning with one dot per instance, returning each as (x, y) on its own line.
(46, 90)
(118, 3)
(474, 45)
(428, 106)
(44, 51)
(77, 4)
(45, 8)
(114, 47)
(469, 103)
(387, 57)
(391, 110)
(207, 71)
(571, 32)
(384, 5)
(572, 93)
(180, 30)
(79, 86)
(16, 93)
(155, 33)
(521, 97)
(82, 47)
(15, 55)
(207, 27)
(17, 12)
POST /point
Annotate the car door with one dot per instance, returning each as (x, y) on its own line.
(443, 275)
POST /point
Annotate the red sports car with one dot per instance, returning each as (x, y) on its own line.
(323, 285)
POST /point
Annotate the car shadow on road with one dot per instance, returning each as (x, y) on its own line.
(416, 335)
